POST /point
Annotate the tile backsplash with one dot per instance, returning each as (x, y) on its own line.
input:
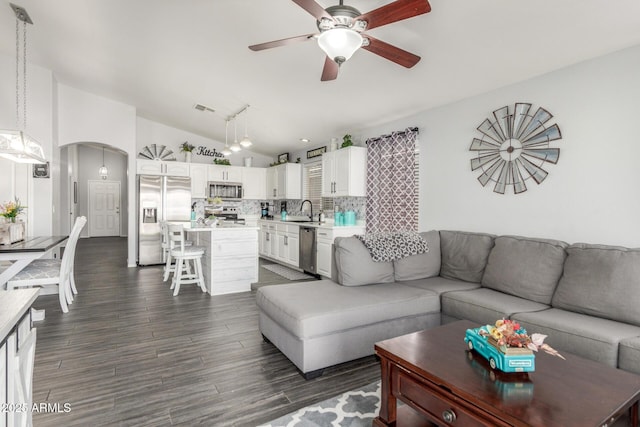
(252, 207)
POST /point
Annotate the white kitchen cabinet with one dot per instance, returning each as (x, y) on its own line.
(268, 240)
(158, 167)
(284, 181)
(288, 236)
(344, 172)
(253, 183)
(199, 184)
(324, 245)
(218, 173)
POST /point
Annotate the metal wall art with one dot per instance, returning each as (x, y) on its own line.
(514, 146)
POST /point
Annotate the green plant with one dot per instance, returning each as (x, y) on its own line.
(11, 210)
(346, 141)
(186, 147)
(224, 162)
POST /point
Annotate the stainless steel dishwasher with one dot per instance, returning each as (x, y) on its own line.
(308, 249)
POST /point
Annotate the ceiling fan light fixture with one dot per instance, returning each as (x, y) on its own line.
(340, 43)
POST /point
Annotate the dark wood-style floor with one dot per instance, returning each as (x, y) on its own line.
(129, 353)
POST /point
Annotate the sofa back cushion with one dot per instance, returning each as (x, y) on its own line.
(524, 267)
(601, 281)
(464, 255)
(423, 265)
(355, 267)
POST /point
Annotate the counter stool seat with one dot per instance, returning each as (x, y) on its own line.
(182, 273)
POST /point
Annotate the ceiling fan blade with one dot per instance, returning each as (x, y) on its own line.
(283, 42)
(330, 70)
(390, 52)
(396, 11)
(314, 9)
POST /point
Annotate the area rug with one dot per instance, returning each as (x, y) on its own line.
(356, 408)
(286, 272)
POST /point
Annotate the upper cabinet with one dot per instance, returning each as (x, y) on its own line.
(284, 181)
(344, 172)
(157, 167)
(253, 183)
(217, 173)
(198, 173)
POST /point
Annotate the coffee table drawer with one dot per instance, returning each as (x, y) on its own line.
(434, 403)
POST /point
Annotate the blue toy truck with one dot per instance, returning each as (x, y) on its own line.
(514, 360)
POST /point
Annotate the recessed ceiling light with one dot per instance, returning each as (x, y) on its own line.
(305, 140)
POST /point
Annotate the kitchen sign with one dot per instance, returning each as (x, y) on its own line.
(316, 152)
(204, 151)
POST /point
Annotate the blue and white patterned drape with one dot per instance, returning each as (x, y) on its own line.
(392, 182)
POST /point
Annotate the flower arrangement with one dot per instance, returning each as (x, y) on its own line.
(224, 162)
(185, 147)
(509, 334)
(11, 210)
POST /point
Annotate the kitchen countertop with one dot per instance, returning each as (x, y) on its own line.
(315, 224)
(13, 305)
(189, 226)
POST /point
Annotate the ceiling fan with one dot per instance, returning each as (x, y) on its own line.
(342, 32)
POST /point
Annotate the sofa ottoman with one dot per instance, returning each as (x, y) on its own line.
(320, 324)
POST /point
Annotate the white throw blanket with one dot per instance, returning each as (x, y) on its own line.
(392, 246)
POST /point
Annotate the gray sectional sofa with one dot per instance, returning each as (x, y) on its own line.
(586, 298)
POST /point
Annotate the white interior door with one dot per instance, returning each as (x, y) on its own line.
(104, 208)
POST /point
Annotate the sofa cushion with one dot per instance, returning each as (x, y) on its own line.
(524, 267)
(485, 306)
(602, 281)
(464, 255)
(422, 265)
(629, 355)
(312, 309)
(587, 336)
(440, 285)
(354, 264)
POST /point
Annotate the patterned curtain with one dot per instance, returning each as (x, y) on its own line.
(392, 182)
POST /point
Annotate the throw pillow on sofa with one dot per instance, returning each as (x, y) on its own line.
(524, 267)
(601, 281)
(464, 255)
(354, 264)
(420, 266)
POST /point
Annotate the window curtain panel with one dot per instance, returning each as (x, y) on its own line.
(392, 182)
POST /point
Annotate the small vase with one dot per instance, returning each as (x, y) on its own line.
(13, 219)
(187, 156)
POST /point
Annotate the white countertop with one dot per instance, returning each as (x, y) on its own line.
(316, 224)
(191, 226)
(13, 305)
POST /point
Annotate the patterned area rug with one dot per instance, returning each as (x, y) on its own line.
(355, 408)
(286, 272)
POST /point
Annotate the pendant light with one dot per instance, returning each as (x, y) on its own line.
(246, 142)
(226, 151)
(15, 144)
(235, 147)
(103, 171)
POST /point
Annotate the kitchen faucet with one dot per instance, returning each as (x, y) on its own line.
(310, 207)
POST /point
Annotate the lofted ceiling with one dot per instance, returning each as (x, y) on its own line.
(164, 56)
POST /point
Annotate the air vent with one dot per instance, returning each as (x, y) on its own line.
(201, 107)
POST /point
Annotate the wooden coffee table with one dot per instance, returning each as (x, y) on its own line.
(436, 376)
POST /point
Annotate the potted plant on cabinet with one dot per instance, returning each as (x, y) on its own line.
(187, 148)
(346, 141)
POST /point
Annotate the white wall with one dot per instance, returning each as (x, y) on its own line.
(591, 195)
(150, 132)
(84, 117)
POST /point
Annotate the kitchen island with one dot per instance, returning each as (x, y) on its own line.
(230, 261)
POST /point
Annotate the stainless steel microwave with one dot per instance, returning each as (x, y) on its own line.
(226, 190)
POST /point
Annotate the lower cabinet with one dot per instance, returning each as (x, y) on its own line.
(280, 242)
(17, 353)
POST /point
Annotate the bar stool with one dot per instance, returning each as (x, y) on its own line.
(183, 254)
(169, 265)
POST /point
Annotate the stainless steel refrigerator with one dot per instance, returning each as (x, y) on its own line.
(160, 198)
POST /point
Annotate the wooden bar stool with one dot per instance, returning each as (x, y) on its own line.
(183, 254)
(167, 259)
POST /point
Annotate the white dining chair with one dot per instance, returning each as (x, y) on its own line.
(169, 264)
(53, 272)
(183, 254)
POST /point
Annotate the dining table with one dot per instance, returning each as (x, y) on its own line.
(25, 251)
